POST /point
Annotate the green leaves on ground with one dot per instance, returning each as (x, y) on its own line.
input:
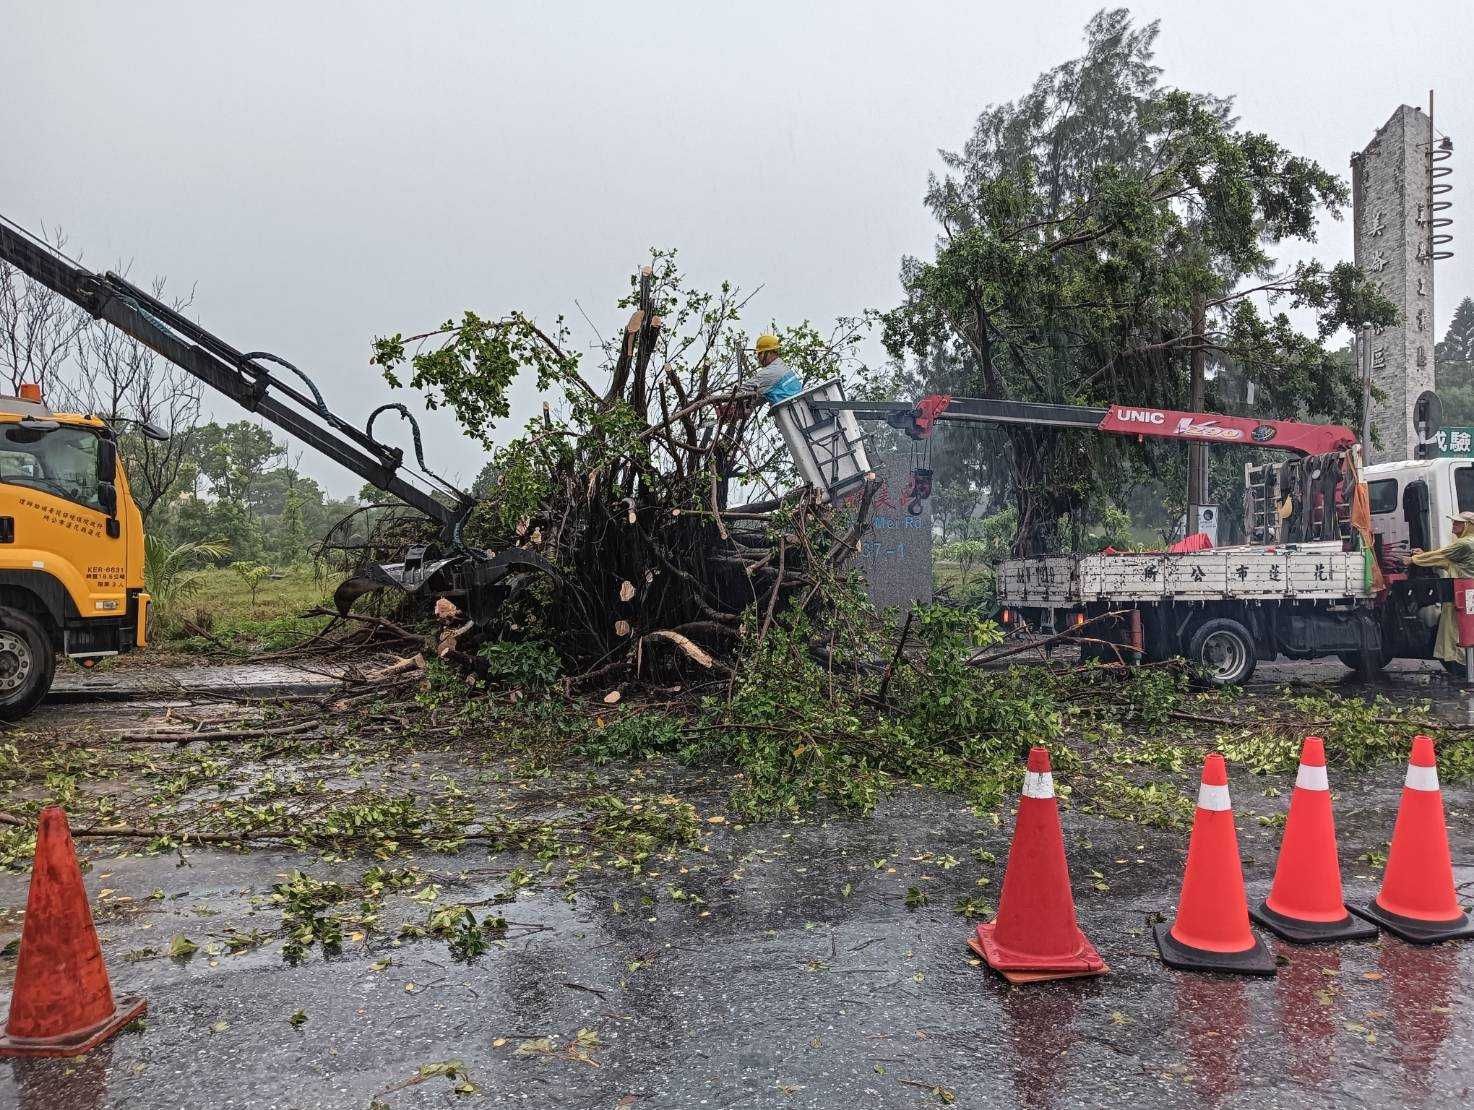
(801, 731)
(304, 903)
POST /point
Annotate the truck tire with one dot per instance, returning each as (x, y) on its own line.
(1224, 650)
(27, 663)
(1368, 664)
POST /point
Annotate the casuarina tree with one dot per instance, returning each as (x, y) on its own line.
(1093, 237)
(1458, 341)
(1454, 366)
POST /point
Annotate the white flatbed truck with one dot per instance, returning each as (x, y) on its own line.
(1308, 584)
(1228, 608)
(1224, 608)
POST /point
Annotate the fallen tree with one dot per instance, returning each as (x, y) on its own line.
(626, 480)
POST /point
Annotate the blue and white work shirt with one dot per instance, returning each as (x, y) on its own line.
(776, 382)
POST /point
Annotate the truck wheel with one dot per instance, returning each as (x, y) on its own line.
(27, 663)
(1224, 650)
(1368, 664)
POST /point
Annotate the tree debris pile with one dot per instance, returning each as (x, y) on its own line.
(629, 486)
(388, 764)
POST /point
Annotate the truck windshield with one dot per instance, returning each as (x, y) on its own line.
(62, 461)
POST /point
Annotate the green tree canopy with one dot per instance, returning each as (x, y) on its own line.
(1458, 341)
(1078, 228)
(250, 501)
(233, 457)
(1454, 367)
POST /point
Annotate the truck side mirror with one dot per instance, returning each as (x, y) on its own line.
(107, 461)
(107, 497)
(153, 431)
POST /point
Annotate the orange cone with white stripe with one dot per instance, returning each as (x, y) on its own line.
(1305, 904)
(1417, 901)
(1035, 935)
(1212, 931)
(63, 1002)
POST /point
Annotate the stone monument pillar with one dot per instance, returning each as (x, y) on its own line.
(895, 553)
(1392, 213)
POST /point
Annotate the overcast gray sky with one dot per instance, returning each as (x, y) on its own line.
(322, 173)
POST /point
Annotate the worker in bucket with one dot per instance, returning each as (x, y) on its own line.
(775, 379)
(1457, 561)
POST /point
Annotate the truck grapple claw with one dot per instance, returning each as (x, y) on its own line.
(482, 584)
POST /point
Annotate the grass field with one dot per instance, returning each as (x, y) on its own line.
(223, 607)
(974, 586)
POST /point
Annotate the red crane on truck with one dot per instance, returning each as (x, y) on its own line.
(916, 419)
(1311, 581)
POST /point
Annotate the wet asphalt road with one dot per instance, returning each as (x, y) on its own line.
(781, 989)
(262, 680)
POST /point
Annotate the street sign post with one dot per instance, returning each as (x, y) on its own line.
(1454, 443)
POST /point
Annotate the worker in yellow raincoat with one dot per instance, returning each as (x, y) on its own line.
(1457, 561)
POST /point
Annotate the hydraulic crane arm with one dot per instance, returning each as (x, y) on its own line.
(916, 420)
(240, 376)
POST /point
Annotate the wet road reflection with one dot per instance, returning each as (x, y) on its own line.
(802, 979)
(1419, 985)
(1040, 1023)
(69, 1083)
(1213, 1017)
(1306, 1009)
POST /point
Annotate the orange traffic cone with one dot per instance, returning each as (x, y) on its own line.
(62, 1004)
(1417, 901)
(1305, 903)
(1035, 935)
(1212, 931)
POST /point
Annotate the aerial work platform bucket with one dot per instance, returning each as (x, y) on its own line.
(828, 448)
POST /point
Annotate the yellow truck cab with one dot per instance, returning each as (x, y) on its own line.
(71, 548)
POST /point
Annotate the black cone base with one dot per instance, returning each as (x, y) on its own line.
(1252, 961)
(1414, 931)
(1311, 932)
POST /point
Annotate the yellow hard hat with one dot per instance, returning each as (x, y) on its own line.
(766, 342)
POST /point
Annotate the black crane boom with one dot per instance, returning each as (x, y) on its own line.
(240, 376)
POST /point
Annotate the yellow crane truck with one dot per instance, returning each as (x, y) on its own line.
(71, 548)
(71, 536)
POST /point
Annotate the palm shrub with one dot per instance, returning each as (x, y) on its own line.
(171, 572)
